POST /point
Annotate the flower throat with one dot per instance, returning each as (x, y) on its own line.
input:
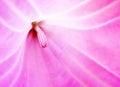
(38, 32)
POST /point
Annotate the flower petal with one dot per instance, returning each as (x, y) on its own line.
(9, 42)
(91, 21)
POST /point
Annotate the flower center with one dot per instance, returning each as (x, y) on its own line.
(38, 31)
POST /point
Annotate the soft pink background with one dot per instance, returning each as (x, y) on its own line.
(83, 43)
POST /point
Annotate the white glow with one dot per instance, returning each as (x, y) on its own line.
(36, 9)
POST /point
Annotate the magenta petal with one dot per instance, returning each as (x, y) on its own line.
(82, 68)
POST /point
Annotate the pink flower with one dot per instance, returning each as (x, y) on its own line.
(71, 43)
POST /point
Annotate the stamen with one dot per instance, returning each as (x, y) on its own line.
(41, 37)
(40, 33)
